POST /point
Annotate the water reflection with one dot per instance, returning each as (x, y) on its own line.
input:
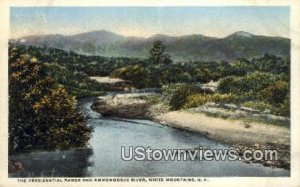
(71, 163)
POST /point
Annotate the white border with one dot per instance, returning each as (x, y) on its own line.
(294, 180)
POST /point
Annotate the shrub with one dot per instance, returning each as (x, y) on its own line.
(284, 108)
(226, 84)
(278, 95)
(169, 90)
(275, 94)
(200, 99)
(181, 94)
(251, 83)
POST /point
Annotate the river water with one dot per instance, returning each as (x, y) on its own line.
(103, 158)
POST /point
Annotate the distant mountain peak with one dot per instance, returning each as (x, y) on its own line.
(98, 32)
(159, 36)
(98, 36)
(242, 34)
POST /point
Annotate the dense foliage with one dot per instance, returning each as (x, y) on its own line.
(90, 65)
(181, 94)
(250, 84)
(277, 95)
(248, 81)
(159, 70)
(258, 83)
(41, 112)
(73, 70)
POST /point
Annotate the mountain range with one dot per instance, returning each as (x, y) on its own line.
(181, 48)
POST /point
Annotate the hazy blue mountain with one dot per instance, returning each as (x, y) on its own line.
(189, 47)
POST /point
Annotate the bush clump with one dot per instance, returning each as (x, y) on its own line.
(259, 90)
(179, 98)
(275, 94)
(251, 83)
(42, 115)
(200, 99)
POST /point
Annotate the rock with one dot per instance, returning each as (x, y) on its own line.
(257, 145)
(15, 166)
(122, 107)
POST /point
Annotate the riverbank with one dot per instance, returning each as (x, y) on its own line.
(226, 130)
(254, 136)
(238, 133)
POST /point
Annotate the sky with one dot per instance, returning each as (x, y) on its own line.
(148, 21)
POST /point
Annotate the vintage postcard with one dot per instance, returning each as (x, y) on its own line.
(150, 93)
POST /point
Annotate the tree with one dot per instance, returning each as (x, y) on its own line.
(156, 51)
(41, 113)
(157, 54)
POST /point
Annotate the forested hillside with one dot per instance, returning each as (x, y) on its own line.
(182, 48)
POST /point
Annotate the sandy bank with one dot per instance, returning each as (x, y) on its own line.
(225, 130)
(233, 131)
(242, 136)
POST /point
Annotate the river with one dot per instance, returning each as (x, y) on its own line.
(103, 158)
